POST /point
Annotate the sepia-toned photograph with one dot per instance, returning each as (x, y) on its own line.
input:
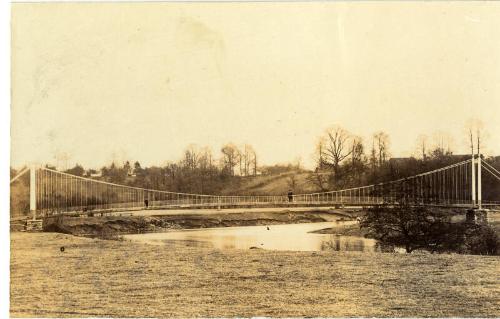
(221, 159)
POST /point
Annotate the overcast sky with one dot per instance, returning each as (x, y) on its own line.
(142, 81)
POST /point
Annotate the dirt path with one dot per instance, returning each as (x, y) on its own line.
(95, 277)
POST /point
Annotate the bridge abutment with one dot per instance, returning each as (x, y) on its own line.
(477, 216)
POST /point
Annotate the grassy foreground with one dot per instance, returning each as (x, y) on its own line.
(95, 277)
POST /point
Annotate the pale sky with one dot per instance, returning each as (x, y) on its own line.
(142, 81)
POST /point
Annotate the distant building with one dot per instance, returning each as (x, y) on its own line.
(96, 174)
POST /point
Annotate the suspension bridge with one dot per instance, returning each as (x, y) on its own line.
(52, 192)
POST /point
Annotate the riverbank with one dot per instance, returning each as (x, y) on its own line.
(112, 226)
(94, 277)
(343, 230)
(355, 230)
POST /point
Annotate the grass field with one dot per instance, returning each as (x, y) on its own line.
(95, 277)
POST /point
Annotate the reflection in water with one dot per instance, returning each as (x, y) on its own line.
(292, 237)
(346, 243)
(354, 243)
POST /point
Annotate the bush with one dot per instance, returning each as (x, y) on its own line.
(418, 227)
(481, 240)
(414, 227)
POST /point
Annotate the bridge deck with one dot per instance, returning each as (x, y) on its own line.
(232, 208)
(205, 211)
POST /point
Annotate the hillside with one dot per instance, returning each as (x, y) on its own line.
(270, 184)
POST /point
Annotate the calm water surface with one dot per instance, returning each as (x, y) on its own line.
(291, 237)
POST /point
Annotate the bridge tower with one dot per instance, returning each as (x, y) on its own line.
(479, 189)
(477, 214)
(473, 181)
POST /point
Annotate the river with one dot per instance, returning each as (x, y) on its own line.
(289, 237)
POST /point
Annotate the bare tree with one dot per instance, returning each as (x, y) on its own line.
(382, 146)
(230, 157)
(476, 127)
(191, 157)
(357, 150)
(298, 163)
(247, 157)
(318, 154)
(62, 159)
(320, 180)
(336, 147)
(357, 159)
(205, 159)
(240, 160)
(254, 162)
(471, 141)
(443, 144)
(421, 147)
(373, 156)
(205, 167)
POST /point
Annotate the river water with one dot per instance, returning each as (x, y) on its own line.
(290, 237)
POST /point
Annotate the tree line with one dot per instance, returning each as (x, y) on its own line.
(344, 159)
(198, 171)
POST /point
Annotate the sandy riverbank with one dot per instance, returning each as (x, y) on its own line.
(95, 277)
(343, 230)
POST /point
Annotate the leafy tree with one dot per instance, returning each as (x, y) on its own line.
(138, 171)
(127, 168)
(78, 170)
(114, 174)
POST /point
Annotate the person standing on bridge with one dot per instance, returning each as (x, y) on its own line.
(290, 196)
